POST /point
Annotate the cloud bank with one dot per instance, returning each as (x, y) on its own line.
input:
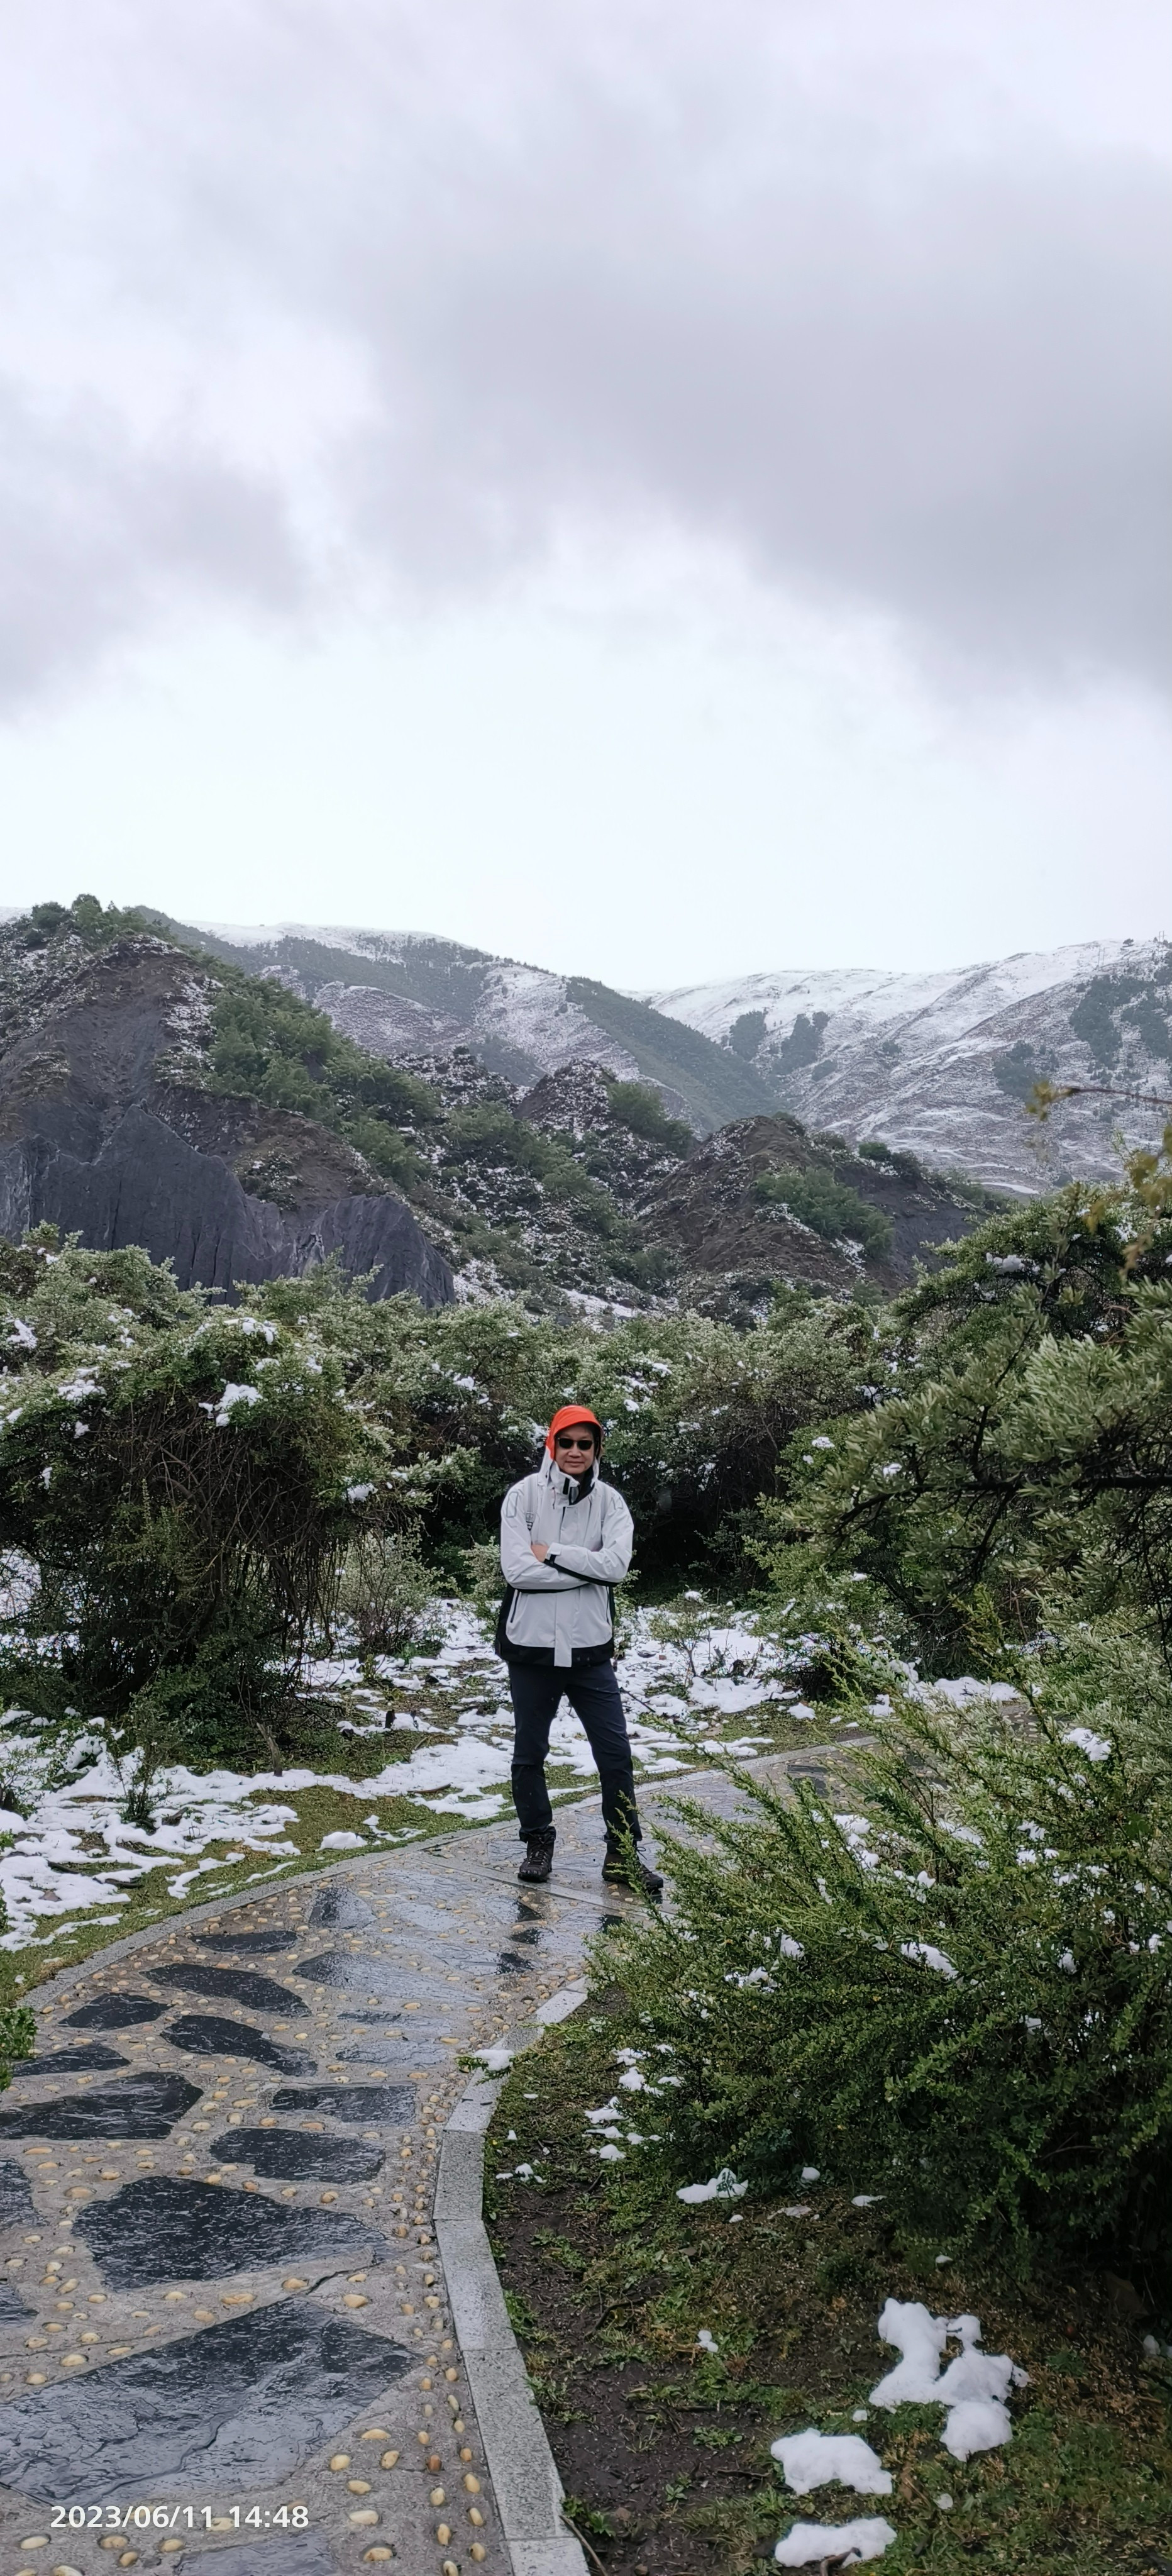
(321, 302)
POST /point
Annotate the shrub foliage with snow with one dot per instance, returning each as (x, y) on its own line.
(957, 1998)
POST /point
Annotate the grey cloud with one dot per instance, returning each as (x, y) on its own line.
(641, 268)
(99, 533)
(955, 411)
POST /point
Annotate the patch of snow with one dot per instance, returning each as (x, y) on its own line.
(847, 2543)
(1097, 1748)
(813, 2459)
(723, 2186)
(973, 2388)
(342, 1842)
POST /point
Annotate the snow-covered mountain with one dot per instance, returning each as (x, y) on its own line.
(942, 1063)
(404, 994)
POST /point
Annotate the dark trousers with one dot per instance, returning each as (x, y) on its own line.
(593, 1694)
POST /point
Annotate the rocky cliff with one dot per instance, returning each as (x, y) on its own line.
(108, 1128)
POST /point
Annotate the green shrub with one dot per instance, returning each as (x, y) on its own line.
(828, 1207)
(1026, 1439)
(638, 1106)
(958, 1997)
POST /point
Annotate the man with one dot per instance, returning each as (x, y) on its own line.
(566, 1540)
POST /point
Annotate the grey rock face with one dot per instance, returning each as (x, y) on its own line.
(243, 2402)
(144, 1185)
(165, 2228)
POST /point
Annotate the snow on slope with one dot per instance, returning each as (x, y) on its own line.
(942, 1063)
(943, 1005)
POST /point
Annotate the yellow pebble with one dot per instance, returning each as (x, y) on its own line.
(472, 2485)
(437, 2496)
(376, 2433)
(341, 2460)
(365, 2514)
(375, 2557)
(354, 2299)
(478, 2550)
(388, 2459)
(358, 2486)
(442, 2533)
(475, 2515)
(294, 2283)
(450, 2567)
(451, 2374)
(166, 2547)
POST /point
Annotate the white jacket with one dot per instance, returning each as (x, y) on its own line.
(562, 1609)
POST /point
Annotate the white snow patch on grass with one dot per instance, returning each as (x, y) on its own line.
(813, 2459)
(846, 2543)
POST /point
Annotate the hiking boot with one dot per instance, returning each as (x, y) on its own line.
(538, 1861)
(621, 1872)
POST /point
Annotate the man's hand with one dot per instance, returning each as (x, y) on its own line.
(539, 1551)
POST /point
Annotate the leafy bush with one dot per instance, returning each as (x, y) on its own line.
(182, 1479)
(637, 1106)
(959, 1998)
(1027, 1437)
(384, 1591)
(828, 1207)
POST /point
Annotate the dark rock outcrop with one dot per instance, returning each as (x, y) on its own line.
(107, 1130)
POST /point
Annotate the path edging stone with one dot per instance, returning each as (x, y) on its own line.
(528, 2490)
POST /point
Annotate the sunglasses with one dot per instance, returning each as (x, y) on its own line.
(563, 1442)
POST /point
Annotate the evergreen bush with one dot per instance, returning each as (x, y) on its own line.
(952, 1991)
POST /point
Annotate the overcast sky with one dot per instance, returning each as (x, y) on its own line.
(661, 488)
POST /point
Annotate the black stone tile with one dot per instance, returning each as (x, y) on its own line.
(343, 1968)
(90, 2057)
(347, 1972)
(359, 2104)
(162, 2228)
(282, 2553)
(17, 2206)
(287, 2155)
(213, 2035)
(370, 2017)
(341, 1907)
(12, 2306)
(114, 2012)
(240, 1985)
(238, 2406)
(141, 2106)
(261, 1942)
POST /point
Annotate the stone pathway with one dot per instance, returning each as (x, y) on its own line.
(224, 2330)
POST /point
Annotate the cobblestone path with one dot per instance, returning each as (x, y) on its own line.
(224, 2337)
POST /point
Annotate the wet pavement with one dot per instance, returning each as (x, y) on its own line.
(224, 2334)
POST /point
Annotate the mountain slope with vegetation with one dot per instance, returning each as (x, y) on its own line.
(155, 1094)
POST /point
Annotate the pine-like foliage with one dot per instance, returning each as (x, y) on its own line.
(954, 1992)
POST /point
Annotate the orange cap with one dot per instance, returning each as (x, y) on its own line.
(572, 1413)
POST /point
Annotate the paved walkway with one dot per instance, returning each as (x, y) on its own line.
(224, 2331)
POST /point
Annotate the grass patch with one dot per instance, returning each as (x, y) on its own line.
(665, 2449)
